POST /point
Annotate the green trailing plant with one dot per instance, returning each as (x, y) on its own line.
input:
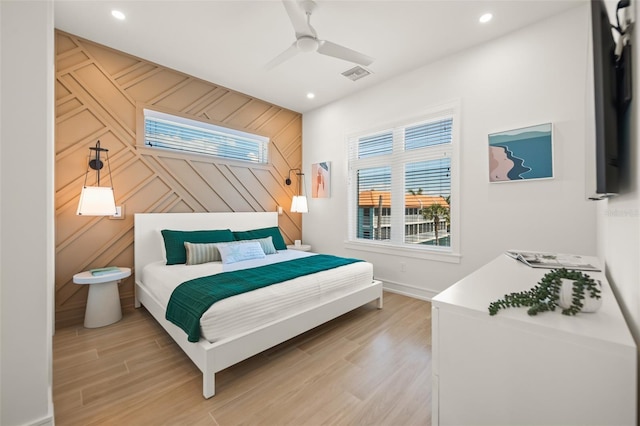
(546, 294)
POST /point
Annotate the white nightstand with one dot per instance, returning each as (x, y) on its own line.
(103, 303)
(301, 247)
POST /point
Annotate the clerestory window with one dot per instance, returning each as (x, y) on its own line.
(180, 134)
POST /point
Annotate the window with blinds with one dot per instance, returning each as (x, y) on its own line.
(166, 131)
(400, 185)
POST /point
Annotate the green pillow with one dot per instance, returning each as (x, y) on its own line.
(254, 234)
(174, 242)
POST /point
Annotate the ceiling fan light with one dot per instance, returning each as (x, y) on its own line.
(307, 44)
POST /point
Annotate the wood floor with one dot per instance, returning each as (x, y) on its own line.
(368, 367)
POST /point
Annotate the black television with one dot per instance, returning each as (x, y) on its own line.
(612, 94)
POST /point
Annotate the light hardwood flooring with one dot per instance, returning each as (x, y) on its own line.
(367, 367)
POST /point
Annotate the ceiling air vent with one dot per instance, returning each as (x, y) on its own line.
(356, 73)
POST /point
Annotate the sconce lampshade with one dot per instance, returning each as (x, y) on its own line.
(299, 204)
(96, 201)
(299, 200)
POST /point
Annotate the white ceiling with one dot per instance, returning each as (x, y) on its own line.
(230, 42)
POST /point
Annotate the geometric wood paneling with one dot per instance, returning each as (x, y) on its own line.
(98, 95)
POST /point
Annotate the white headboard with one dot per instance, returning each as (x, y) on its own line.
(148, 243)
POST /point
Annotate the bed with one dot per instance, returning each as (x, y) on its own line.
(221, 349)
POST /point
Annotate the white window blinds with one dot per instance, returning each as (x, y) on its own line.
(181, 134)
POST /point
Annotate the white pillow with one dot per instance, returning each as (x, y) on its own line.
(235, 252)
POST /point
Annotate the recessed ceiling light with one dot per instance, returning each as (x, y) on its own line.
(311, 95)
(118, 15)
(485, 18)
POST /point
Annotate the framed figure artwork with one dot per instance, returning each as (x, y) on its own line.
(521, 154)
(321, 180)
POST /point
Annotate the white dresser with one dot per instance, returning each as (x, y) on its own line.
(516, 369)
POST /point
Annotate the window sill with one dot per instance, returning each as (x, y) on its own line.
(395, 250)
(193, 156)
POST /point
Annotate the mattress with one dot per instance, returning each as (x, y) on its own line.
(242, 313)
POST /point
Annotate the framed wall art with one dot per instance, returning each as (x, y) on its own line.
(321, 180)
(521, 154)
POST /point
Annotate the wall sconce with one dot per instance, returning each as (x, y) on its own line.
(299, 200)
(97, 200)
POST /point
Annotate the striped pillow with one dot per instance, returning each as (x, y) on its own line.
(201, 253)
(265, 243)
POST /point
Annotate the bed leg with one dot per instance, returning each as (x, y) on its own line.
(208, 385)
(380, 302)
(136, 301)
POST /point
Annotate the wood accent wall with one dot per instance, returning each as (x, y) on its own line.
(99, 92)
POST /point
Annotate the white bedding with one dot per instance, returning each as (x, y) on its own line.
(241, 313)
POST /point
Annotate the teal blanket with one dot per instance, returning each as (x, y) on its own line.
(191, 299)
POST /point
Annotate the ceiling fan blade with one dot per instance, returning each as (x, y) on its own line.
(331, 49)
(287, 54)
(298, 18)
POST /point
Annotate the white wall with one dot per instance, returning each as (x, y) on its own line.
(619, 217)
(532, 76)
(26, 211)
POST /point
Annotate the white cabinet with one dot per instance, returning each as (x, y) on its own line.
(515, 369)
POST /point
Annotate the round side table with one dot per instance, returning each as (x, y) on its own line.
(103, 303)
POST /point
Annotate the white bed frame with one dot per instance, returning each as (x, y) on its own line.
(213, 357)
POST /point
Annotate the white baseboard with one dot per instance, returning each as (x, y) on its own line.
(408, 290)
(49, 419)
(45, 421)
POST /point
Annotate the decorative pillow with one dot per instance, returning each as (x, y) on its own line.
(273, 232)
(174, 241)
(204, 253)
(265, 243)
(201, 253)
(234, 252)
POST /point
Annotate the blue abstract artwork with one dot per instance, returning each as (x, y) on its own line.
(521, 154)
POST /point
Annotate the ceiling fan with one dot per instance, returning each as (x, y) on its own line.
(307, 38)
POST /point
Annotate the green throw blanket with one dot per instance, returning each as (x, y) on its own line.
(191, 299)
